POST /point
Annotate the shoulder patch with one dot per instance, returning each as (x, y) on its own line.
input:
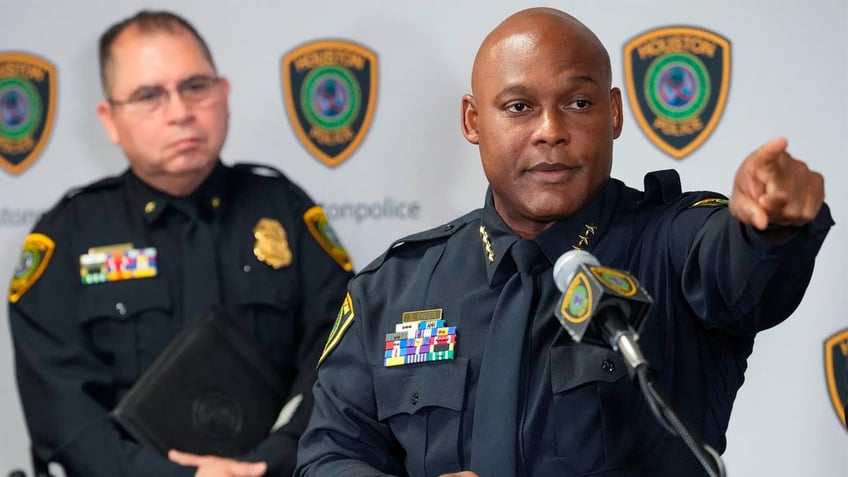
(343, 322)
(36, 253)
(710, 202)
(319, 227)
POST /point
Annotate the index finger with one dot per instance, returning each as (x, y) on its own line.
(766, 155)
(249, 469)
(184, 458)
(772, 148)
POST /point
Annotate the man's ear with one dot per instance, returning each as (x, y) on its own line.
(104, 113)
(469, 119)
(225, 87)
(617, 116)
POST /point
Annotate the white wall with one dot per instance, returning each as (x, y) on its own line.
(789, 74)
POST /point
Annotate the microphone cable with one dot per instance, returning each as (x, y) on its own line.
(709, 459)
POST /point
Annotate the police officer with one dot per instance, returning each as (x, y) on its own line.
(446, 356)
(116, 268)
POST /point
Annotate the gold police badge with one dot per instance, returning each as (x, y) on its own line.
(272, 246)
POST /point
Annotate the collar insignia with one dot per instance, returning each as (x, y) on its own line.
(583, 240)
(487, 244)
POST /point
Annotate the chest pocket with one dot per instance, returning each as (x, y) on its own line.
(266, 301)
(128, 322)
(423, 403)
(592, 401)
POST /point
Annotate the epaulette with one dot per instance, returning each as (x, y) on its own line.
(662, 186)
(436, 234)
(259, 169)
(102, 184)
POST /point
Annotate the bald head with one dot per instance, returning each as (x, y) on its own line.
(544, 116)
(528, 30)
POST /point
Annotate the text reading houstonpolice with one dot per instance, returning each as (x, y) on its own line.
(387, 209)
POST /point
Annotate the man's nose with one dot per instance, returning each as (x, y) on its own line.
(176, 108)
(552, 128)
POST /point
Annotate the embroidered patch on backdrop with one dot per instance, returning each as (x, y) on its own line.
(330, 91)
(677, 81)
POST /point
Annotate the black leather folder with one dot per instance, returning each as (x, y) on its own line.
(211, 391)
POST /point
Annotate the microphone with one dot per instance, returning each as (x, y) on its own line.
(609, 300)
(606, 299)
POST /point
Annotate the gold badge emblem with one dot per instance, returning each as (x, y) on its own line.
(271, 246)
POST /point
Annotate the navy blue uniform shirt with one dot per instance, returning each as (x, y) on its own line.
(714, 281)
(80, 346)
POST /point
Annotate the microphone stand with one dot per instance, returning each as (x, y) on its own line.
(625, 342)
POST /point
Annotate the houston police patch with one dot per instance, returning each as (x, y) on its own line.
(318, 225)
(677, 80)
(27, 107)
(836, 371)
(330, 91)
(35, 255)
(343, 322)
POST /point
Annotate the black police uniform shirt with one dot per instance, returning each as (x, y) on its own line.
(81, 339)
(714, 281)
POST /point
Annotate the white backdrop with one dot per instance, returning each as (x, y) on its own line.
(789, 75)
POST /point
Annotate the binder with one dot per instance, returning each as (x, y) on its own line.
(212, 390)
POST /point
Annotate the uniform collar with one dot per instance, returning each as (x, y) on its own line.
(579, 231)
(152, 203)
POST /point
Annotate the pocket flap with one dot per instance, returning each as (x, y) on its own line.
(578, 364)
(272, 288)
(407, 389)
(123, 299)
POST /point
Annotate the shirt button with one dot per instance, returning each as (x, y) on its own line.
(608, 366)
(413, 399)
(122, 310)
(246, 268)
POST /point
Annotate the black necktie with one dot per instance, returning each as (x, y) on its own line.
(494, 443)
(200, 269)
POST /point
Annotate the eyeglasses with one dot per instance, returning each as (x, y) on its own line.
(196, 91)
